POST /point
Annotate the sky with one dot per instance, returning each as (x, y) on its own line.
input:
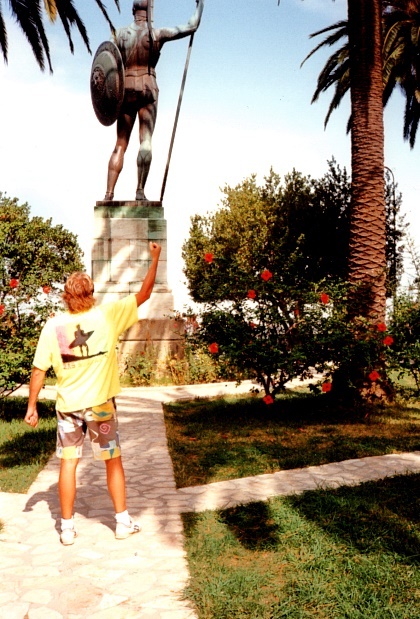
(246, 109)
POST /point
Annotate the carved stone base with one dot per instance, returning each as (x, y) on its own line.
(120, 261)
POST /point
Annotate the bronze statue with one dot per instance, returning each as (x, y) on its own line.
(140, 45)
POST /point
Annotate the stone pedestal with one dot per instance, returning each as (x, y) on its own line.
(120, 261)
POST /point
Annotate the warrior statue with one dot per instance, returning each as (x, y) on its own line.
(138, 46)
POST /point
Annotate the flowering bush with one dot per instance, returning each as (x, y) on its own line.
(34, 258)
(266, 268)
(359, 354)
(265, 338)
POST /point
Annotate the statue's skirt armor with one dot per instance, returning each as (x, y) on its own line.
(107, 83)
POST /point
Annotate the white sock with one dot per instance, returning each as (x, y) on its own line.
(67, 523)
(123, 517)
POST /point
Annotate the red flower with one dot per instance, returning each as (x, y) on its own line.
(388, 340)
(252, 325)
(382, 327)
(2, 308)
(374, 375)
(268, 399)
(14, 283)
(46, 289)
(251, 294)
(266, 275)
(324, 298)
(326, 387)
(214, 348)
(208, 257)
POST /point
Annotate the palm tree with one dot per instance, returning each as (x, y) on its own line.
(401, 59)
(336, 71)
(29, 13)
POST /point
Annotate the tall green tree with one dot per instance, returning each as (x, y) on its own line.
(266, 267)
(29, 16)
(297, 227)
(35, 259)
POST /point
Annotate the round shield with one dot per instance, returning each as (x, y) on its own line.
(107, 82)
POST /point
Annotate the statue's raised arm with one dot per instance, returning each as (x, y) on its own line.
(139, 46)
(170, 34)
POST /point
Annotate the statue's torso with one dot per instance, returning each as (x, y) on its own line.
(137, 51)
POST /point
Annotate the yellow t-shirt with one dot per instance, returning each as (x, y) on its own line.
(81, 348)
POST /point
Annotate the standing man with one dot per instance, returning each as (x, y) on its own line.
(87, 383)
(140, 45)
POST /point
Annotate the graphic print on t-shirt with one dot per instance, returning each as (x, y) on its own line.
(75, 342)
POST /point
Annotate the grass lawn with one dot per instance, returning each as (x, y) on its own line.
(348, 553)
(233, 437)
(23, 451)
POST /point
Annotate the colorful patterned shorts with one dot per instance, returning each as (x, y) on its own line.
(102, 423)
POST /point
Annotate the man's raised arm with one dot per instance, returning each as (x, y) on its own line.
(149, 281)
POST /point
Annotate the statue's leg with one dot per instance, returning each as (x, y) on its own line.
(125, 125)
(147, 120)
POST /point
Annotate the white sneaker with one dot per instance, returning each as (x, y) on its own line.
(122, 531)
(67, 536)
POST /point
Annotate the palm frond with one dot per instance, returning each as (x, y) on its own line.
(29, 17)
(51, 9)
(105, 14)
(69, 17)
(337, 25)
(341, 32)
(342, 88)
(411, 120)
(334, 69)
(392, 33)
(3, 36)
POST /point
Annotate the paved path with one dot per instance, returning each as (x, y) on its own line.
(141, 577)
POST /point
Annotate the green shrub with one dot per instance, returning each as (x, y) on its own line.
(404, 355)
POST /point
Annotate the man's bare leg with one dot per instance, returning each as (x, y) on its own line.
(116, 483)
(67, 486)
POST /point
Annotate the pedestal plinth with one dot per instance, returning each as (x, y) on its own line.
(120, 261)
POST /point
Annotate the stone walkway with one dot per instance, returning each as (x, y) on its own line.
(141, 577)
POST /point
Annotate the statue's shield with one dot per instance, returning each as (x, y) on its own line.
(107, 82)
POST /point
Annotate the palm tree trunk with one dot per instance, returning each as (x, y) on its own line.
(367, 258)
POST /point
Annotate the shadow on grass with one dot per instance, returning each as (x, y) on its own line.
(228, 438)
(290, 408)
(28, 448)
(375, 517)
(242, 457)
(12, 408)
(253, 525)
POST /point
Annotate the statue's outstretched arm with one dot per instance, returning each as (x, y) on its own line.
(178, 32)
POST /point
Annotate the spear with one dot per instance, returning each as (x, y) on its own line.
(152, 38)
(181, 93)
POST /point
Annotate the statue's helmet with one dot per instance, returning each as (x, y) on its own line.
(140, 5)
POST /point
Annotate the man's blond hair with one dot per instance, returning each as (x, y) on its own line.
(78, 293)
